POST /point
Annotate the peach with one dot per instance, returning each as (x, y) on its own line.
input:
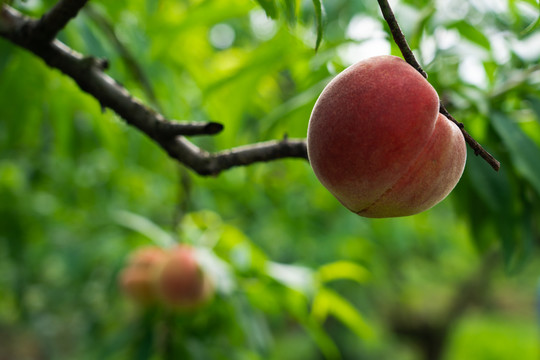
(182, 282)
(377, 142)
(138, 278)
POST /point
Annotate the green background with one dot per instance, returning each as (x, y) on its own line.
(297, 275)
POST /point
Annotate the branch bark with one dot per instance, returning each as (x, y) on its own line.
(89, 75)
(49, 25)
(408, 55)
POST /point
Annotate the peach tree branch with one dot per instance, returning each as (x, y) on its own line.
(408, 55)
(49, 25)
(88, 73)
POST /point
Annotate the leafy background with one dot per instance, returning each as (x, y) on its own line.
(298, 276)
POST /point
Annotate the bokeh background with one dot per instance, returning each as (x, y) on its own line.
(297, 275)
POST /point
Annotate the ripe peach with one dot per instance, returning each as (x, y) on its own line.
(181, 282)
(138, 279)
(377, 142)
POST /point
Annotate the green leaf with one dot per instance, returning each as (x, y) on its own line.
(145, 227)
(471, 33)
(523, 150)
(321, 338)
(291, 7)
(317, 4)
(492, 187)
(295, 277)
(328, 302)
(535, 23)
(535, 106)
(281, 112)
(343, 270)
(269, 7)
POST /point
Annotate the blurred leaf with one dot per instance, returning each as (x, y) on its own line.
(291, 7)
(425, 16)
(523, 150)
(535, 105)
(317, 4)
(269, 7)
(343, 270)
(219, 271)
(323, 340)
(532, 26)
(145, 227)
(493, 187)
(240, 251)
(296, 277)
(254, 325)
(279, 113)
(328, 302)
(471, 33)
(202, 228)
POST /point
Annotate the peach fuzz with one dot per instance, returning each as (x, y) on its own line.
(377, 142)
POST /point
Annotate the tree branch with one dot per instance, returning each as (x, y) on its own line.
(49, 25)
(89, 76)
(408, 55)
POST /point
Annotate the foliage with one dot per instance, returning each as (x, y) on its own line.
(298, 276)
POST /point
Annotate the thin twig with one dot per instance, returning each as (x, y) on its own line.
(477, 148)
(89, 76)
(398, 36)
(192, 128)
(408, 55)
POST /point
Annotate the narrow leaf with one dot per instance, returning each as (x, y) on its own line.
(534, 24)
(343, 270)
(471, 33)
(317, 4)
(334, 304)
(145, 227)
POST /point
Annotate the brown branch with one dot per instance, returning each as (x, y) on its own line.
(408, 55)
(477, 148)
(205, 163)
(398, 36)
(173, 128)
(89, 76)
(49, 25)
